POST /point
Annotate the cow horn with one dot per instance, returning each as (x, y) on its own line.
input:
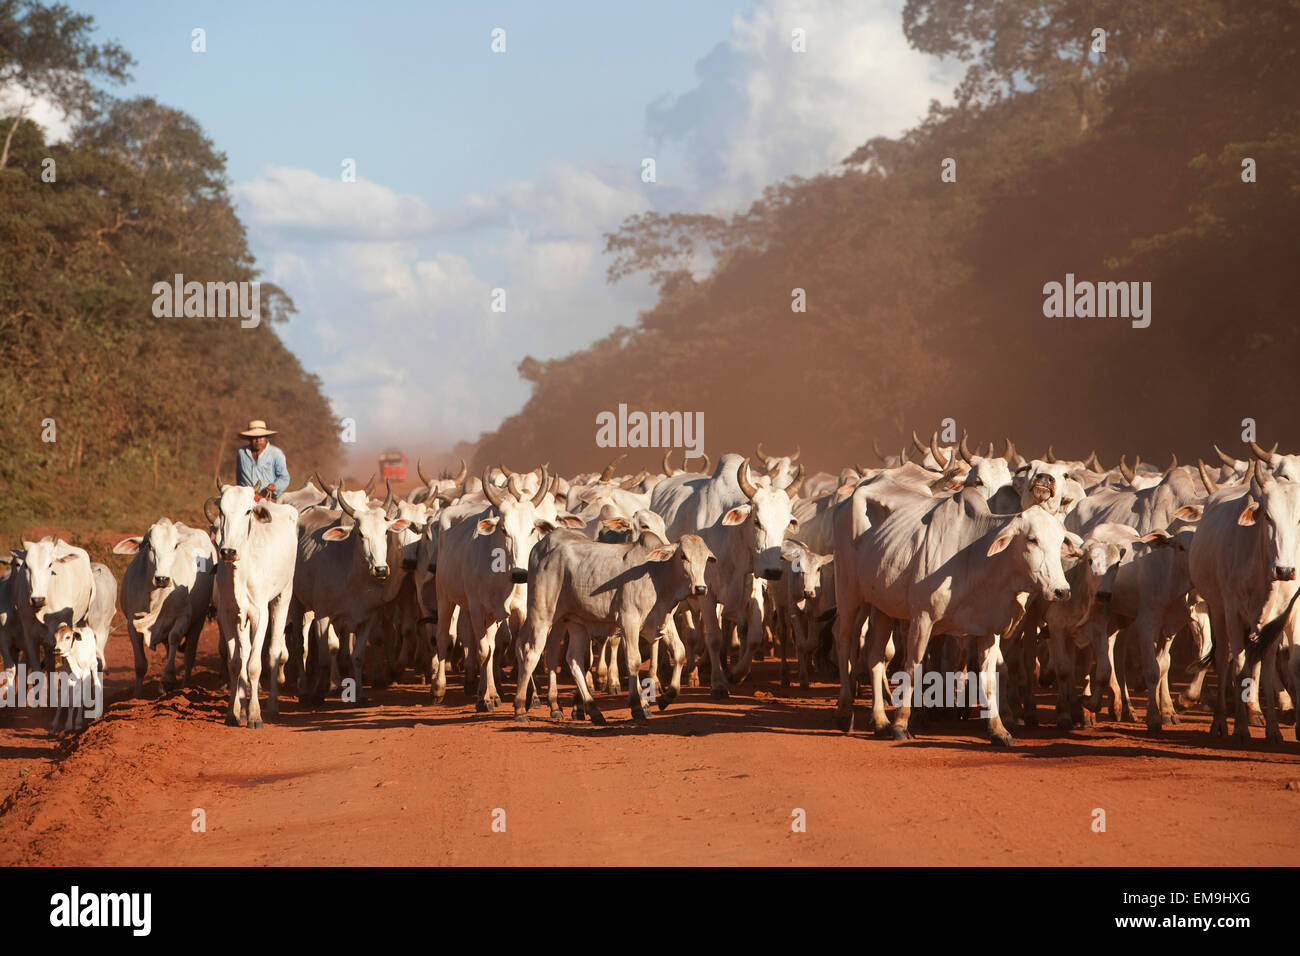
(542, 488)
(389, 498)
(633, 482)
(1210, 486)
(419, 470)
(490, 491)
(917, 443)
(742, 478)
(504, 470)
(1010, 453)
(1172, 465)
(708, 465)
(990, 452)
(1260, 453)
(1125, 470)
(1048, 456)
(1256, 480)
(668, 469)
(1091, 461)
(370, 485)
(798, 450)
(343, 505)
(317, 479)
(965, 451)
(792, 489)
(207, 504)
(902, 457)
(218, 478)
(939, 456)
(512, 485)
(1230, 462)
(608, 473)
(464, 471)
(875, 446)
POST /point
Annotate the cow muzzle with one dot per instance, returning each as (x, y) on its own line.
(1284, 574)
(161, 581)
(809, 595)
(228, 555)
(700, 588)
(36, 602)
(380, 572)
(1062, 594)
(519, 576)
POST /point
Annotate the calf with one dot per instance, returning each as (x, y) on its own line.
(586, 584)
(75, 663)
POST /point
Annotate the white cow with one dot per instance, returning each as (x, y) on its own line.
(257, 547)
(75, 663)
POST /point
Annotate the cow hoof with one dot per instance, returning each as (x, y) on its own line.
(719, 692)
(1273, 736)
(1155, 725)
(844, 720)
(232, 720)
(578, 714)
(1171, 717)
(1002, 740)
(1064, 722)
(481, 706)
(662, 701)
(1219, 727)
(255, 724)
(902, 733)
(641, 715)
(557, 713)
(521, 718)
(1241, 735)
(1257, 718)
(598, 718)
(436, 698)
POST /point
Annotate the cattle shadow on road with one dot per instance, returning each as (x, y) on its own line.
(1197, 748)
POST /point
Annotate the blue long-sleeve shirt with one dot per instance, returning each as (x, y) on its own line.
(269, 468)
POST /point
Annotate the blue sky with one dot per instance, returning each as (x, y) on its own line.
(479, 170)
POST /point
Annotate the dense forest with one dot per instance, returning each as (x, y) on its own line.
(925, 298)
(110, 416)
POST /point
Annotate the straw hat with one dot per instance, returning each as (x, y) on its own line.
(256, 429)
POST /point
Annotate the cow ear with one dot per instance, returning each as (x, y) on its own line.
(400, 524)
(18, 553)
(789, 551)
(128, 545)
(662, 554)
(70, 556)
(262, 514)
(486, 526)
(1157, 539)
(545, 527)
(1070, 550)
(336, 534)
(572, 521)
(1190, 512)
(1001, 541)
(736, 515)
(1247, 517)
(618, 523)
(794, 525)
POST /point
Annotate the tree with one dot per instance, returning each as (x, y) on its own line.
(47, 51)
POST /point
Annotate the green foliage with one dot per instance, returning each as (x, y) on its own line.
(145, 409)
(925, 298)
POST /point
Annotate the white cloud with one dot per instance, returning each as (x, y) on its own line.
(40, 110)
(760, 111)
(301, 200)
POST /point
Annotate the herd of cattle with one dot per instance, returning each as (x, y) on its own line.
(1008, 570)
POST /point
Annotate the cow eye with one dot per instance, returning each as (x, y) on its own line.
(1032, 540)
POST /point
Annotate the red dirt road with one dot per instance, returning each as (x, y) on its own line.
(704, 782)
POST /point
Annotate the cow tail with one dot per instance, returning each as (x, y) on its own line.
(1270, 632)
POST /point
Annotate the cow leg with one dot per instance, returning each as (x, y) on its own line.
(1059, 639)
(1241, 694)
(254, 668)
(359, 637)
(239, 672)
(531, 647)
(141, 661)
(848, 639)
(553, 650)
(487, 697)
(1268, 695)
(713, 639)
(192, 645)
(1219, 630)
(753, 638)
(676, 650)
(173, 644)
(441, 651)
(918, 639)
(579, 643)
(631, 624)
(880, 644)
(988, 691)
